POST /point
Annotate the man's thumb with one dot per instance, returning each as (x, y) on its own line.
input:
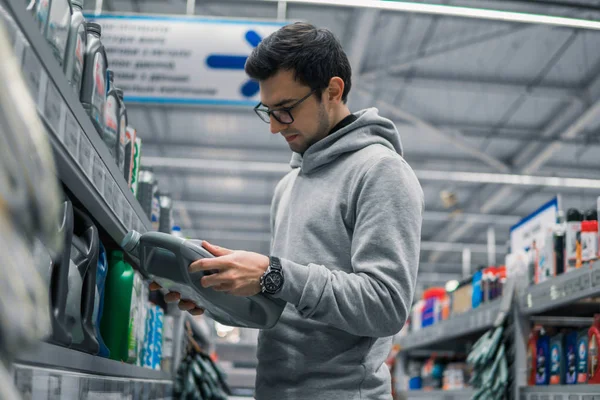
(216, 250)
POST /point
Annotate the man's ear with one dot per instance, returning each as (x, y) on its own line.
(335, 90)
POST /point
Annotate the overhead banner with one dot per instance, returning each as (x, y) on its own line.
(532, 229)
(182, 60)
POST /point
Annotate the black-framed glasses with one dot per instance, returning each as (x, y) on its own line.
(283, 115)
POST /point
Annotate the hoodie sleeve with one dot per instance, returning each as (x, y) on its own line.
(374, 299)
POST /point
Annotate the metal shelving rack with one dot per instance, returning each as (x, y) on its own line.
(562, 295)
(86, 168)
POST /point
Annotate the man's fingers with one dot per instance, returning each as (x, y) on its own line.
(172, 297)
(214, 280)
(207, 264)
(196, 311)
(216, 250)
(154, 286)
(185, 305)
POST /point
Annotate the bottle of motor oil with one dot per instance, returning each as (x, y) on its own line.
(582, 356)
(147, 189)
(573, 239)
(84, 255)
(542, 376)
(166, 259)
(532, 356)
(593, 348)
(111, 118)
(571, 358)
(130, 138)
(122, 131)
(41, 11)
(76, 45)
(57, 28)
(557, 360)
(589, 236)
(59, 280)
(137, 160)
(117, 306)
(93, 88)
(559, 243)
(166, 212)
(99, 305)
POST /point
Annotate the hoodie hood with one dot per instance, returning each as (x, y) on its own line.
(368, 129)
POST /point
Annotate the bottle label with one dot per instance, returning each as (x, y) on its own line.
(155, 215)
(593, 357)
(573, 228)
(78, 62)
(571, 360)
(99, 89)
(582, 360)
(540, 377)
(555, 366)
(110, 124)
(122, 140)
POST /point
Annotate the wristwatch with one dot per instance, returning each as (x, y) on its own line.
(272, 280)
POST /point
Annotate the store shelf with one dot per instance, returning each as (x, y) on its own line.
(562, 290)
(55, 357)
(440, 394)
(480, 319)
(84, 164)
(562, 392)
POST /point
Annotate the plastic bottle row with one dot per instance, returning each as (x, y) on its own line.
(77, 46)
(565, 357)
(99, 304)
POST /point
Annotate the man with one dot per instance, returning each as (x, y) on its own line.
(346, 227)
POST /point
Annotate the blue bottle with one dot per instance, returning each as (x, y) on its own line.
(100, 285)
(571, 358)
(542, 375)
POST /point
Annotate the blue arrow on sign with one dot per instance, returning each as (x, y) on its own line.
(235, 62)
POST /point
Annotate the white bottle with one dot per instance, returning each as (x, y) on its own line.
(73, 65)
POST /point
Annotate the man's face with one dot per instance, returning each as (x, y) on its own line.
(311, 119)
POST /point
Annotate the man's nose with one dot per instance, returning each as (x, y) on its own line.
(276, 126)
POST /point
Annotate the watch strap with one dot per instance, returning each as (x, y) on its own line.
(275, 263)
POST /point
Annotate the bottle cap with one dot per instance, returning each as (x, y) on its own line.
(77, 3)
(573, 214)
(591, 215)
(94, 28)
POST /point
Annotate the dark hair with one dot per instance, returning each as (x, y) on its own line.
(315, 56)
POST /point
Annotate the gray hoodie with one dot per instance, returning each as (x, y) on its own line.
(346, 224)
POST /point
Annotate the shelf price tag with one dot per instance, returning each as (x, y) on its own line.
(595, 278)
(32, 71)
(72, 136)
(52, 107)
(108, 189)
(98, 174)
(86, 159)
(119, 205)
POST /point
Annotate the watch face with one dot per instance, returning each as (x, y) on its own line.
(273, 281)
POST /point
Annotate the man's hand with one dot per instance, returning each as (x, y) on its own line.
(174, 297)
(235, 272)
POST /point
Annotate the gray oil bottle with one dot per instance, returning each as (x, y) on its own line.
(122, 132)
(57, 29)
(93, 88)
(165, 259)
(111, 118)
(147, 188)
(76, 44)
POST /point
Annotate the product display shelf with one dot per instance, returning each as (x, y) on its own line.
(562, 290)
(54, 357)
(470, 322)
(461, 394)
(561, 392)
(84, 164)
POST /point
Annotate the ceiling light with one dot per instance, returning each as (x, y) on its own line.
(464, 12)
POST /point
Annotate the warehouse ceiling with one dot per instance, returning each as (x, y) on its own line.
(467, 95)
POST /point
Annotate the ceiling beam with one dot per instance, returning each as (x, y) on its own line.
(214, 234)
(456, 139)
(461, 12)
(532, 162)
(481, 85)
(362, 23)
(261, 211)
(277, 170)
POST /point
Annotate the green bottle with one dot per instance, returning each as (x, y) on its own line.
(115, 323)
